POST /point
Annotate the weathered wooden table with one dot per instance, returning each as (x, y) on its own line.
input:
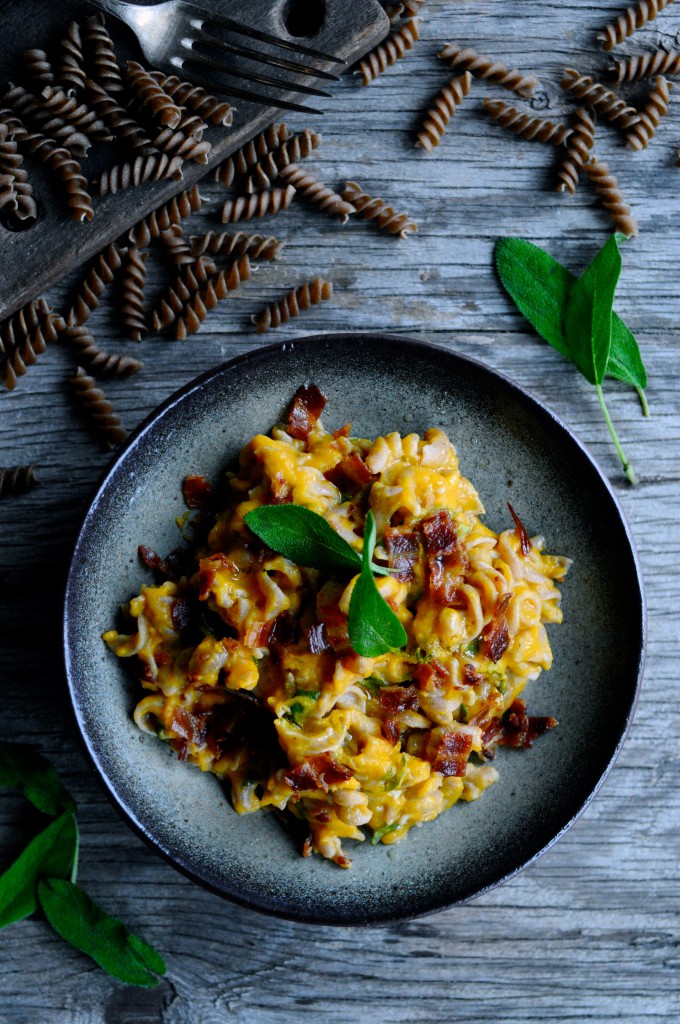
(589, 932)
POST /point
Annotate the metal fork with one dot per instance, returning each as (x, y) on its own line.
(169, 33)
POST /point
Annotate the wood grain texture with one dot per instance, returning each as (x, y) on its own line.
(588, 933)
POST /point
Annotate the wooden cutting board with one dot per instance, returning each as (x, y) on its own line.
(31, 260)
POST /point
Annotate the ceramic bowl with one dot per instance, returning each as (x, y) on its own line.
(512, 447)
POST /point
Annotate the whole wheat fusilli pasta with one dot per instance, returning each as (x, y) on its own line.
(22, 206)
(441, 110)
(191, 278)
(603, 100)
(646, 65)
(133, 281)
(259, 204)
(377, 210)
(128, 131)
(29, 109)
(267, 170)
(94, 359)
(217, 288)
(101, 56)
(176, 245)
(137, 171)
(193, 97)
(69, 69)
(479, 66)
(578, 151)
(611, 195)
(240, 162)
(96, 281)
(392, 49)
(173, 212)
(526, 125)
(67, 170)
(226, 245)
(186, 147)
(17, 480)
(630, 21)
(150, 97)
(656, 106)
(292, 304)
(37, 70)
(18, 327)
(97, 408)
(16, 361)
(83, 119)
(316, 192)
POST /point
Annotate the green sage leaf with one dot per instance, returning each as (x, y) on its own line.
(304, 537)
(373, 627)
(79, 920)
(51, 854)
(588, 317)
(23, 769)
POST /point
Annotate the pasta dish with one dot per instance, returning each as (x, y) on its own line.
(248, 659)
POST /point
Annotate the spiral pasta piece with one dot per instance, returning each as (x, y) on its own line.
(18, 327)
(609, 191)
(139, 170)
(193, 97)
(133, 281)
(479, 66)
(183, 146)
(128, 131)
(191, 278)
(101, 56)
(532, 128)
(292, 304)
(68, 171)
(578, 151)
(603, 100)
(150, 97)
(98, 278)
(646, 65)
(442, 110)
(226, 245)
(28, 108)
(392, 49)
(66, 107)
(259, 204)
(316, 192)
(70, 70)
(292, 151)
(240, 162)
(406, 9)
(377, 210)
(37, 68)
(172, 212)
(98, 409)
(16, 361)
(630, 21)
(217, 288)
(176, 246)
(17, 480)
(22, 205)
(94, 359)
(654, 109)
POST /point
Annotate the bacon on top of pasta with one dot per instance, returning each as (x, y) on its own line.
(247, 661)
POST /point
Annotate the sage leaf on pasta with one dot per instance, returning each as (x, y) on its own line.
(373, 627)
(23, 769)
(53, 853)
(79, 920)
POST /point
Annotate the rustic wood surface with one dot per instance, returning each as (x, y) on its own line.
(591, 931)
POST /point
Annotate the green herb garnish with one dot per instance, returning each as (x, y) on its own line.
(52, 854)
(463, 712)
(575, 315)
(373, 627)
(384, 831)
(21, 768)
(472, 648)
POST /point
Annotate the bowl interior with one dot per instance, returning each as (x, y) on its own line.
(513, 449)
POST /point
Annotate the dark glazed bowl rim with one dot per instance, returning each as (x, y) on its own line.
(346, 338)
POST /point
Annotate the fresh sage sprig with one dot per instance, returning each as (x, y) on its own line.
(576, 317)
(44, 876)
(307, 539)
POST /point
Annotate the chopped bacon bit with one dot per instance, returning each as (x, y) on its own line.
(495, 636)
(206, 580)
(317, 772)
(149, 558)
(257, 635)
(524, 542)
(197, 491)
(162, 658)
(390, 730)
(350, 474)
(182, 749)
(189, 727)
(423, 675)
(343, 431)
(399, 698)
(451, 753)
(440, 533)
(519, 729)
(284, 631)
(308, 405)
(470, 675)
(317, 638)
(180, 613)
(282, 493)
(307, 847)
(322, 816)
(351, 661)
(402, 552)
(446, 557)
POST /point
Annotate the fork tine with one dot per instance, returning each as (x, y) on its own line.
(241, 94)
(252, 76)
(264, 58)
(264, 37)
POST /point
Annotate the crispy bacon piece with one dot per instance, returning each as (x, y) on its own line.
(429, 673)
(189, 726)
(350, 473)
(470, 675)
(317, 639)
(150, 559)
(451, 753)
(206, 579)
(284, 631)
(446, 557)
(342, 431)
(307, 847)
(320, 771)
(494, 638)
(308, 404)
(390, 730)
(180, 613)
(399, 698)
(257, 635)
(402, 552)
(197, 491)
(524, 542)
(282, 493)
(520, 729)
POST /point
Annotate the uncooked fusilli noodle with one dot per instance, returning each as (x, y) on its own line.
(150, 98)
(316, 192)
(217, 288)
(97, 408)
(172, 212)
(94, 359)
(70, 70)
(17, 480)
(184, 146)
(389, 51)
(603, 100)
(28, 108)
(646, 65)
(98, 278)
(176, 246)
(479, 66)
(377, 210)
(442, 110)
(608, 189)
(529, 127)
(226, 245)
(17, 328)
(292, 151)
(654, 109)
(304, 297)
(631, 20)
(257, 205)
(23, 206)
(128, 132)
(133, 281)
(578, 151)
(139, 170)
(405, 9)
(66, 107)
(67, 169)
(240, 162)
(16, 361)
(37, 69)
(191, 278)
(101, 56)
(185, 94)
